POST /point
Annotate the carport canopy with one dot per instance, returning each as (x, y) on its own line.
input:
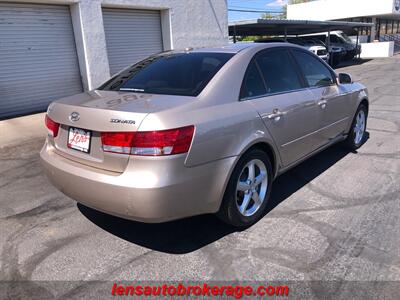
(273, 27)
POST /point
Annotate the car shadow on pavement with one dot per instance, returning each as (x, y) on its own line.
(190, 234)
(352, 62)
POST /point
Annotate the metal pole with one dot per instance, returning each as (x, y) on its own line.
(373, 29)
(328, 45)
(234, 34)
(378, 30)
(358, 54)
(386, 26)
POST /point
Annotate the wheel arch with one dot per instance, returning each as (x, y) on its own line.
(361, 100)
(269, 150)
(365, 102)
(263, 145)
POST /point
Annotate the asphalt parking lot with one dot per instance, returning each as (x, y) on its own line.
(335, 217)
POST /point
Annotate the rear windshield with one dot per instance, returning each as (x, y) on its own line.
(184, 74)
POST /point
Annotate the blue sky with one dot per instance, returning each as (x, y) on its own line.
(273, 5)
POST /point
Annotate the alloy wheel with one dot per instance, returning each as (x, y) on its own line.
(359, 127)
(251, 187)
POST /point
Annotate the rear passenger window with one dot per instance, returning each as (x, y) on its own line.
(279, 73)
(315, 72)
(253, 84)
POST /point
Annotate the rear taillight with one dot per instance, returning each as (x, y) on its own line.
(52, 126)
(149, 143)
(117, 142)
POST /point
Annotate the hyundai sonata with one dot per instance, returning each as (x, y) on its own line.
(199, 131)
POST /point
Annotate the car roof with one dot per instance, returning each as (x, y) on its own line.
(237, 47)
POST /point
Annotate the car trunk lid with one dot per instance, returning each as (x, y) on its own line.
(103, 111)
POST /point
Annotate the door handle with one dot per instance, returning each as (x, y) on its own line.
(322, 103)
(275, 115)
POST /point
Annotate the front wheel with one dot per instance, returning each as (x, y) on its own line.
(248, 190)
(357, 131)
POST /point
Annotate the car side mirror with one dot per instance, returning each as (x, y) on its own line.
(345, 78)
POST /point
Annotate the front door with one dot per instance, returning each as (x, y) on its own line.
(332, 99)
(289, 111)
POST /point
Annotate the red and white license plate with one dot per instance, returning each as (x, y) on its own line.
(79, 139)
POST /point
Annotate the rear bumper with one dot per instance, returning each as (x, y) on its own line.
(149, 190)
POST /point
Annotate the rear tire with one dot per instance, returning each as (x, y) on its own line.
(356, 136)
(248, 190)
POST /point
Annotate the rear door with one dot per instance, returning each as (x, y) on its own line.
(288, 109)
(332, 100)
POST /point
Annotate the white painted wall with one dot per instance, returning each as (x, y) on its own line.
(323, 10)
(189, 23)
(185, 23)
(379, 49)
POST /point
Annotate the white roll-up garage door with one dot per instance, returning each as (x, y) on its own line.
(38, 59)
(131, 35)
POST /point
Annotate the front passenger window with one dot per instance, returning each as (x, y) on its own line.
(315, 72)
